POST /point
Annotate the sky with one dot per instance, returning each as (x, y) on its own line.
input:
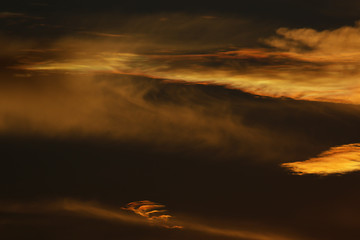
(174, 120)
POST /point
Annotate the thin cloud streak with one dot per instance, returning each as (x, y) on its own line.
(77, 207)
(93, 210)
(337, 160)
(101, 34)
(11, 15)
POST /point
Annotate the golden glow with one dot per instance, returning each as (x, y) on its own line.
(116, 107)
(305, 64)
(275, 81)
(152, 211)
(11, 15)
(93, 210)
(88, 209)
(341, 159)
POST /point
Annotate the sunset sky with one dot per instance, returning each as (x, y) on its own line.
(180, 120)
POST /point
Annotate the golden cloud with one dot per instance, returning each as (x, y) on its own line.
(338, 43)
(154, 212)
(74, 94)
(303, 64)
(119, 108)
(337, 160)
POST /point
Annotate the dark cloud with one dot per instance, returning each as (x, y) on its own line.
(194, 105)
(221, 179)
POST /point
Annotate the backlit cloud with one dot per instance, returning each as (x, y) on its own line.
(337, 160)
(302, 64)
(154, 212)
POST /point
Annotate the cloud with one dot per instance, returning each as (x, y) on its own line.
(122, 108)
(11, 15)
(12, 48)
(86, 209)
(86, 85)
(101, 34)
(337, 160)
(302, 64)
(154, 212)
(94, 210)
(237, 234)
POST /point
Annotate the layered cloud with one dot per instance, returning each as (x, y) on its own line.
(299, 63)
(87, 83)
(121, 108)
(337, 160)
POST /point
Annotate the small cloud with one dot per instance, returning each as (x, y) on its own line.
(337, 160)
(154, 212)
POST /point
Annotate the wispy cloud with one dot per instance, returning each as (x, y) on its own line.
(94, 210)
(11, 15)
(154, 212)
(337, 160)
(122, 108)
(101, 34)
(302, 64)
(89, 209)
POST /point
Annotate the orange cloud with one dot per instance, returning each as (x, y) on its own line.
(343, 41)
(119, 108)
(337, 160)
(143, 208)
(88, 209)
(304, 64)
(153, 212)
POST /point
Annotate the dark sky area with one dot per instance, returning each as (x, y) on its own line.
(195, 120)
